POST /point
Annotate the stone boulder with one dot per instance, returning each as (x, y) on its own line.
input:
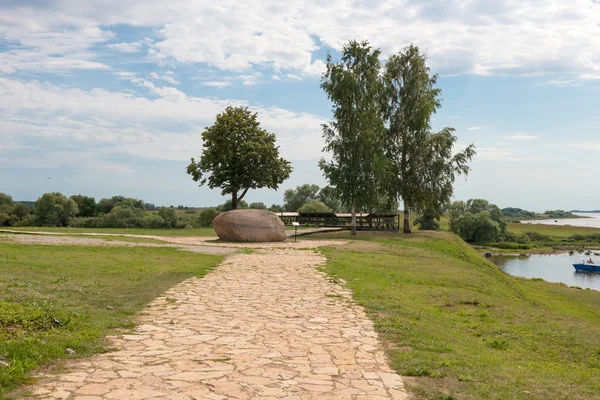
(249, 226)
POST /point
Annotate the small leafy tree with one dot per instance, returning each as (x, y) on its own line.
(54, 209)
(206, 217)
(293, 199)
(423, 165)
(86, 205)
(314, 206)
(169, 215)
(476, 220)
(354, 137)
(239, 155)
(21, 210)
(276, 208)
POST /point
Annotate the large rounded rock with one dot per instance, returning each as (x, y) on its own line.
(249, 226)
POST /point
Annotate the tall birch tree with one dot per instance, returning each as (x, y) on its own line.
(354, 137)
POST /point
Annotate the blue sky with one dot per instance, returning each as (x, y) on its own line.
(110, 97)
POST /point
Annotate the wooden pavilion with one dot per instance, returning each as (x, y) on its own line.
(364, 221)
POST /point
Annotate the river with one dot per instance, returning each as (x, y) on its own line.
(551, 268)
(592, 221)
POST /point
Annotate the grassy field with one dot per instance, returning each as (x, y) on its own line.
(552, 230)
(58, 297)
(457, 327)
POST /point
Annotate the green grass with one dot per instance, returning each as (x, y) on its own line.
(150, 232)
(58, 297)
(457, 327)
(552, 230)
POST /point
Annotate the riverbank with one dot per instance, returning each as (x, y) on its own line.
(448, 318)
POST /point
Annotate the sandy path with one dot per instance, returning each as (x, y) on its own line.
(265, 325)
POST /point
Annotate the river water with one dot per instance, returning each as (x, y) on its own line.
(593, 221)
(551, 268)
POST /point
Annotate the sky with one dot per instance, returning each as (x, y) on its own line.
(110, 97)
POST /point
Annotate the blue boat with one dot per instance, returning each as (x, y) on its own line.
(587, 266)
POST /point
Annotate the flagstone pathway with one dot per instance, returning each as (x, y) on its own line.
(265, 325)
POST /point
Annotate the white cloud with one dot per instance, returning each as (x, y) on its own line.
(513, 37)
(506, 154)
(217, 84)
(252, 79)
(521, 137)
(276, 78)
(475, 128)
(133, 47)
(167, 127)
(167, 77)
(562, 83)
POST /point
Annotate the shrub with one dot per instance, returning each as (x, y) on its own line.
(122, 217)
(258, 206)
(314, 206)
(538, 237)
(154, 221)
(427, 223)
(85, 222)
(30, 220)
(185, 221)
(169, 215)
(206, 217)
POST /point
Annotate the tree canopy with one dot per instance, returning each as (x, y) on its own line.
(314, 206)
(353, 138)
(476, 220)
(238, 155)
(54, 209)
(293, 199)
(422, 164)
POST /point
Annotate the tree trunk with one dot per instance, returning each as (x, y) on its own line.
(406, 219)
(353, 220)
(234, 201)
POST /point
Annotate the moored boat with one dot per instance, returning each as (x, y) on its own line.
(589, 267)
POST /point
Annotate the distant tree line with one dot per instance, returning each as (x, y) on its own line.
(56, 210)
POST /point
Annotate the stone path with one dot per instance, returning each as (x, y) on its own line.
(265, 325)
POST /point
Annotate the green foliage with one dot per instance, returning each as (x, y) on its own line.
(228, 206)
(257, 206)
(206, 217)
(354, 137)
(423, 165)
(104, 206)
(427, 223)
(5, 200)
(293, 199)
(560, 214)
(518, 213)
(154, 221)
(169, 215)
(86, 205)
(122, 217)
(314, 206)
(239, 155)
(477, 220)
(12, 213)
(21, 210)
(54, 209)
(276, 208)
(328, 196)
